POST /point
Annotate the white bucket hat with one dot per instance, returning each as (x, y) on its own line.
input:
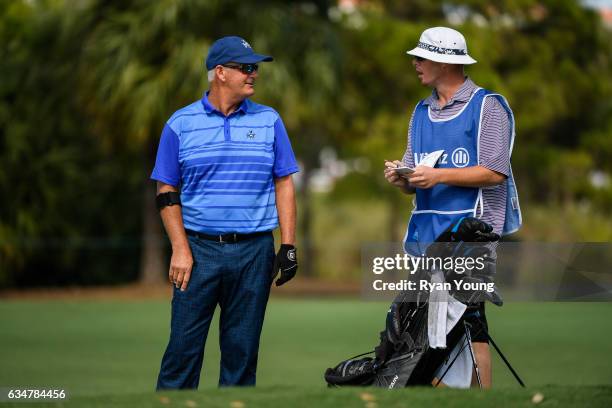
(442, 44)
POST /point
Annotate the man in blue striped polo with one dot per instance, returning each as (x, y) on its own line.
(223, 172)
(475, 129)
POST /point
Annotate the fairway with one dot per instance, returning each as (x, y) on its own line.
(110, 351)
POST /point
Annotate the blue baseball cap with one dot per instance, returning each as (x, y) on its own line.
(234, 49)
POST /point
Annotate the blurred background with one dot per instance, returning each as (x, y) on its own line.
(86, 87)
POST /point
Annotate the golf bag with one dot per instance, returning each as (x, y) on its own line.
(403, 356)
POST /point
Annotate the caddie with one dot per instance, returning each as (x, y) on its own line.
(475, 129)
(224, 174)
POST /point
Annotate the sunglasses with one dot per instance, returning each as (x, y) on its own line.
(244, 68)
(419, 59)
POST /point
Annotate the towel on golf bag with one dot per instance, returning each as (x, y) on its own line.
(403, 356)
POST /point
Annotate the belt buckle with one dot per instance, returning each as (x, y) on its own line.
(233, 241)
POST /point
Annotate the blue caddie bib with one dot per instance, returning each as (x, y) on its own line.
(439, 207)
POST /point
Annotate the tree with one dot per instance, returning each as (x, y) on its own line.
(53, 173)
(144, 60)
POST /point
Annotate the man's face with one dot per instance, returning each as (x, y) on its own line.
(241, 83)
(428, 72)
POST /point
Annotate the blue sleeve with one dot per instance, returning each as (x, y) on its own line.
(284, 159)
(167, 168)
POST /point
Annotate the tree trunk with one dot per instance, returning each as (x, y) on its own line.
(305, 227)
(153, 264)
(152, 261)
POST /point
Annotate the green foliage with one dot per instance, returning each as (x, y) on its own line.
(580, 222)
(551, 59)
(55, 181)
(87, 87)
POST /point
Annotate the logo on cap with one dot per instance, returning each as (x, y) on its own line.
(246, 44)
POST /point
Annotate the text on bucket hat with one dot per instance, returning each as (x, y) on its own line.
(233, 49)
(442, 44)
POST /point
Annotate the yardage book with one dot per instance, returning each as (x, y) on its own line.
(430, 161)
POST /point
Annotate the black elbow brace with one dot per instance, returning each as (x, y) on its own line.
(165, 199)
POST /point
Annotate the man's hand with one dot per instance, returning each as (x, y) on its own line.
(424, 177)
(286, 262)
(392, 177)
(180, 268)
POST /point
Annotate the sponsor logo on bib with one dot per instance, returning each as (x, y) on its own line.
(460, 157)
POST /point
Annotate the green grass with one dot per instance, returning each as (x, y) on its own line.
(108, 353)
(307, 397)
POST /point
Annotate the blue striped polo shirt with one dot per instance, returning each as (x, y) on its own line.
(225, 166)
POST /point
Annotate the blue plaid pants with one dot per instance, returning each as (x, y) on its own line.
(237, 277)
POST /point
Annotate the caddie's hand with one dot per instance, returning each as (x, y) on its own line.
(286, 263)
(424, 177)
(180, 268)
(392, 177)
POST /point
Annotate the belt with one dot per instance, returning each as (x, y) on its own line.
(230, 238)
